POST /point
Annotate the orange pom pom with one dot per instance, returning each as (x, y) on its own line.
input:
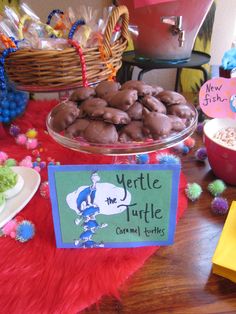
(190, 142)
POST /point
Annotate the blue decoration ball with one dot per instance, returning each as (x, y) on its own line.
(5, 112)
(12, 104)
(5, 119)
(5, 103)
(10, 96)
(18, 111)
(168, 159)
(25, 231)
(142, 159)
(13, 114)
(219, 206)
(185, 150)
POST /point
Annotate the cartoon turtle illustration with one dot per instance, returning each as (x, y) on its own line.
(93, 225)
(92, 244)
(90, 212)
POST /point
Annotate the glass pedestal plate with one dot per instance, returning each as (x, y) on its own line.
(118, 150)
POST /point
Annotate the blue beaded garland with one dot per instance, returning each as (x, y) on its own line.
(12, 103)
(74, 27)
(50, 16)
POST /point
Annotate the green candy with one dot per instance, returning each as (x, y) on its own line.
(8, 178)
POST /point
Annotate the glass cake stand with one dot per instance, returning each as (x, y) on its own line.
(118, 149)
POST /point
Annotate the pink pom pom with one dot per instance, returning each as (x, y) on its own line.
(3, 157)
(12, 234)
(10, 228)
(32, 143)
(21, 139)
(44, 190)
(26, 162)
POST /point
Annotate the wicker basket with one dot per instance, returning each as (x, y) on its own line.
(44, 70)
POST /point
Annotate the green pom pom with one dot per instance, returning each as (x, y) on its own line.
(216, 187)
(193, 191)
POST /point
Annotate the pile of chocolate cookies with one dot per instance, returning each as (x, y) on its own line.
(113, 113)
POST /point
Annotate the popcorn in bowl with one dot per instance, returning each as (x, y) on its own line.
(226, 136)
(220, 139)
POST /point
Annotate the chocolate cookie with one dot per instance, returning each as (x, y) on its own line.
(171, 98)
(108, 96)
(100, 132)
(82, 93)
(142, 88)
(135, 112)
(64, 116)
(182, 111)
(177, 123)
(111, 115)
(62, 106)
(156, 124)
(88, 106)
(156, 90)
(77, 128)
(153, 104)
(124, 99)
(107, 87)
(132, 132)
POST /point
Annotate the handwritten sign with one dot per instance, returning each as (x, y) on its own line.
(144, 3)
(217, 98)
(114, 205)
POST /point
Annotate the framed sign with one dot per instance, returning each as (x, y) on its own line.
(114, 206)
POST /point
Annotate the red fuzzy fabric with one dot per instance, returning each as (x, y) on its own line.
(37, 278)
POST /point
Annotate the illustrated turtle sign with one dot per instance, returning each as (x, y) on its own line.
(96, 206)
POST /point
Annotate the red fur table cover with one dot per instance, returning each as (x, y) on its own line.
(37, 278)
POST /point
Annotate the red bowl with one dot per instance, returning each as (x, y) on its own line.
(222, 159)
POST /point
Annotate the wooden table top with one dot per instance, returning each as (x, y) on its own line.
(178, 278)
